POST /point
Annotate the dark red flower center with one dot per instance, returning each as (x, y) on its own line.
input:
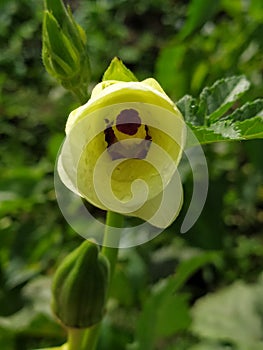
(128, 122)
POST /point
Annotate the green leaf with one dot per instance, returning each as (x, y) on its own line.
(248, 110)
(216, 100)
(121, 288)
(199, 11)
(173, 315)
(226, 130)
(251, 128)
(188, 267)
(118, 71)
(164, 314)
(189, 107)
(234, 314)
(172, 68)
(207, 116)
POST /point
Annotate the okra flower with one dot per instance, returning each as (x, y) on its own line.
(122, 149)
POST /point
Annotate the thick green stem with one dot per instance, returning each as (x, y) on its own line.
(75, 337)
(91, 337)
(111, 239)
(110, 251)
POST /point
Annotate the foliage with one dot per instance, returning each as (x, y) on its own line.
(209, 120)
(175, 283)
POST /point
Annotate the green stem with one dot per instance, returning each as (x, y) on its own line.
(111, 237)
(113, 220)
(75, 337)
(91, 337)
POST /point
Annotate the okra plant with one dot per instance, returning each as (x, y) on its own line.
(122, 151)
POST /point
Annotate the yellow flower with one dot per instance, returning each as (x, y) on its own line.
(122, 150)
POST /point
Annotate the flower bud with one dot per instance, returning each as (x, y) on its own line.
(79, 287)
(64, 50)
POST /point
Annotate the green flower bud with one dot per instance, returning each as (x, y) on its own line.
(64, 50)
(123, 147)
(80, 286)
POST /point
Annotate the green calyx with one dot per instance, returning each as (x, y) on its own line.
(80, 286)
(118, 71)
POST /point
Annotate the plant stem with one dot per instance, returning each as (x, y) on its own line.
(75, 337)
(91, 337)
(113, 220)
(111, 237)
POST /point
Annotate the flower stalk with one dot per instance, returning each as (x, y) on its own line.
(91, 336)
(75, 339)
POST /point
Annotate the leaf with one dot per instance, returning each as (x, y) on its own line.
(122, 288)
(173, 315)
(245, 123)
(227, 131)
(248, 110)
(188, 107)
(172, 68)
(216, 100)
(188, 267)
(233, 314)
(164, 314)
(199, 11)
(251, 128)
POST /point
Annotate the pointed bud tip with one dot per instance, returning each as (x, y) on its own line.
(118, 71)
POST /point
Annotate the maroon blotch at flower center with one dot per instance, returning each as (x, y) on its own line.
(128, 122)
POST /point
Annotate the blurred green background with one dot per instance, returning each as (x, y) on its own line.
(217, 265)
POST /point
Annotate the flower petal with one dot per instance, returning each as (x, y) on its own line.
(122, 150)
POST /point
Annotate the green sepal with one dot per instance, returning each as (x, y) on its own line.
(64, 50)
(66, 21)
(62, 58)
(80, 286)
(118, 71)
(57, 8)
